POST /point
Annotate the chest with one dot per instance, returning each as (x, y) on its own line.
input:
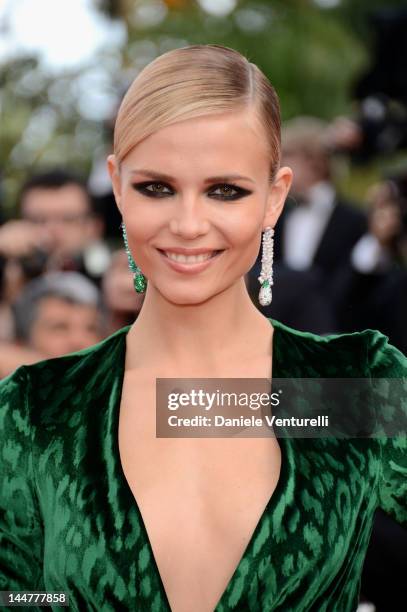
(200, 499)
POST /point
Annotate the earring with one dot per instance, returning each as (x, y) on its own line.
(139, 280)
(266, 274)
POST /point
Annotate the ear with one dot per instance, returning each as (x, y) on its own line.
(114, 171)
(277, 196)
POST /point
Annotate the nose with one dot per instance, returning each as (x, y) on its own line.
(78, 339)
(189, 218)
(48, 235)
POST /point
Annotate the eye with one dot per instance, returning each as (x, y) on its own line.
(228, 191)
(157, 189)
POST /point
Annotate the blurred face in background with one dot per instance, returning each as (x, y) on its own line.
(309, 166)
(385, 213)
(65, 216)
(118, 288)
(61, 327)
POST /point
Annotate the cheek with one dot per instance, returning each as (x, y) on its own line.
(243, 230)
(142, 220)
(235, 228)
(246, 247)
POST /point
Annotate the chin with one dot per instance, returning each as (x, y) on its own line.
(186, 301)
(186, 297)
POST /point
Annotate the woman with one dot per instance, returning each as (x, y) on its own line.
(92, 502)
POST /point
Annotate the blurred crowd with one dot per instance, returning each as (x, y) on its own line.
(339, 266)
(64, 283)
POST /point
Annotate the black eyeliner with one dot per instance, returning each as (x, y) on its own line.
(142, 188)
(241, 192)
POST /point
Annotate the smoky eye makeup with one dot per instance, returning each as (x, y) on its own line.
(228, 189)
(220, 191)
(153, 189)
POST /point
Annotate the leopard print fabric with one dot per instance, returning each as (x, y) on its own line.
(69, 522)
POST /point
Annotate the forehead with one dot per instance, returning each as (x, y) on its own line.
(69, 197)
(233, 142)
(50, 305)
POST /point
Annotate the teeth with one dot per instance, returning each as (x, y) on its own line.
(189, 258)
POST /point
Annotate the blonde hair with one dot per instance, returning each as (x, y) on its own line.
(192, 82)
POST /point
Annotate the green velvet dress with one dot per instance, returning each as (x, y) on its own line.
(69, 521)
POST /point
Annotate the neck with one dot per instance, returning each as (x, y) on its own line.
(209, 331)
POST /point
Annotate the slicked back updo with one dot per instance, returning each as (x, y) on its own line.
(192, 82)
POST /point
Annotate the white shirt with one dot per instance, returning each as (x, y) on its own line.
(369, 256)
(305, 225)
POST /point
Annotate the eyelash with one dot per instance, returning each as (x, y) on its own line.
(142, 188)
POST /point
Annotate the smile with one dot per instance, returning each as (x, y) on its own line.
(190, 258)
(189, 263)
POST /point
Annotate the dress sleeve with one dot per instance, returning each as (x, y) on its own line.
(386, 361)
(21, 532)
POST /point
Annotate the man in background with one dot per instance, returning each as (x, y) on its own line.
(58, 228)
(317, 228)
(57, 313)
(314, 235)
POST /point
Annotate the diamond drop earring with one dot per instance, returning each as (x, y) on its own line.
(266, 274)
(139, 280)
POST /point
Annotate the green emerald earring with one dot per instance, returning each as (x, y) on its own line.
(139, 280)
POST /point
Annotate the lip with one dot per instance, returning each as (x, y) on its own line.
(183, 251)
(189, 268)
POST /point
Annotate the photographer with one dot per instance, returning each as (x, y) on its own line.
(57, 230)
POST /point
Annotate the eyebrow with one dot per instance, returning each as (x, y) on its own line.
(213, 179)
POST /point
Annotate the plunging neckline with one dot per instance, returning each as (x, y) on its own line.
(271, 504)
